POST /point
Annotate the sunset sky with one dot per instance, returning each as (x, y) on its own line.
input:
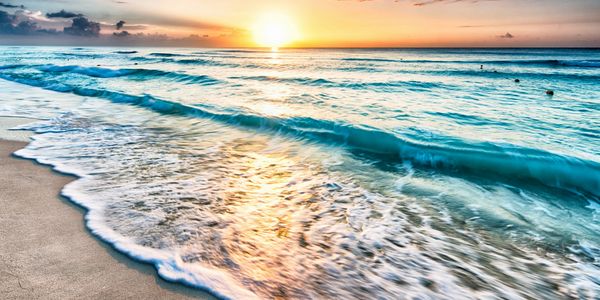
(316, 23)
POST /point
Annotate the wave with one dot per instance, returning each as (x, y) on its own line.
(168, 264)
(411, 84)
(302, 81)
(89, 71)
(144, 74)
(15, 66)
(542, 52)
(160, 54)
(483, 159)
(197, 61)
(194, 62)
(546, 63)
(582, 63)
(371, 59)
(81, 55)
(360, 69)
(511, 75)
(468, 119)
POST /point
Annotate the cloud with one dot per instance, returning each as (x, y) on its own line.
(26, 27)
(83, 27)
(6, 21)
(63, 14)
(506, 36)
(7, 5)
(24, 22)
(120, 24)
(131, 27)
(10, 24)
(123, 33)
(65, 27)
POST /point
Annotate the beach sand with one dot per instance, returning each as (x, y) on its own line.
(45, 250)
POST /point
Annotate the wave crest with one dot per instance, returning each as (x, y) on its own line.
(144, 74)
(539, 62)
(484, 159)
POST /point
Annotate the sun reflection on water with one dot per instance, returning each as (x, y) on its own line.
(259, 202)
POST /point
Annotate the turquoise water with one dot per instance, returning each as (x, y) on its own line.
(386, 173)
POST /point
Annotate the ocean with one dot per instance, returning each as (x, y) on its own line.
(328, 173)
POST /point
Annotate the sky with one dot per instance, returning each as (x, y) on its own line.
(303, 23)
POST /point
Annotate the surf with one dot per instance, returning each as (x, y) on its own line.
(483, 159)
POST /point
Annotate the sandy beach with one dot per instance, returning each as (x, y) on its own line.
(47, 253)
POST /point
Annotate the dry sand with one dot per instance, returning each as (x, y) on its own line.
(47, 253)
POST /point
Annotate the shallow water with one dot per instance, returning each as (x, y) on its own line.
(329, 173)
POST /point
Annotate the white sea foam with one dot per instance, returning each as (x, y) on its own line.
(313, 196)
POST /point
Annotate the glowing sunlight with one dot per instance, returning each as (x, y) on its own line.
(274, 30)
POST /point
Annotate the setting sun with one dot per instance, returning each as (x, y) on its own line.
(274, 30)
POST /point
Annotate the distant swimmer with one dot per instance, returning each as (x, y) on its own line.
(481, 67)
(550, 92)
(517, 80)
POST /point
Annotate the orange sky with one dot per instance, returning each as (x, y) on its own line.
(356, 23)
(390, 23)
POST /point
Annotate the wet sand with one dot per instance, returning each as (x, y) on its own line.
(47, 253)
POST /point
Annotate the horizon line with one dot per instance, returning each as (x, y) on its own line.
(268, 49)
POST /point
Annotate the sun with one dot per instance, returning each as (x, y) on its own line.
(274, 30)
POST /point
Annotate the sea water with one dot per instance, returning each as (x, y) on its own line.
(339, 173)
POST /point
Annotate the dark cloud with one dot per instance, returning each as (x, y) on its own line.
(506, 36)
(6, 18)
(123, 33)
(83, 27)
(6, 22)
(10, 24)
(63, 14)
(8, 5)
(19, 24)
(68, 28)
(133, 27)
(26, 27)
(46, 31)
(120, 24)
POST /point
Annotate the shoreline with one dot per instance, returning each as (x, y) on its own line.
(46, 251)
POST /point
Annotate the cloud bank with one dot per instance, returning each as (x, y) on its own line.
(63, 14)
(83, 27)
(7, 5)
(66, 27)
